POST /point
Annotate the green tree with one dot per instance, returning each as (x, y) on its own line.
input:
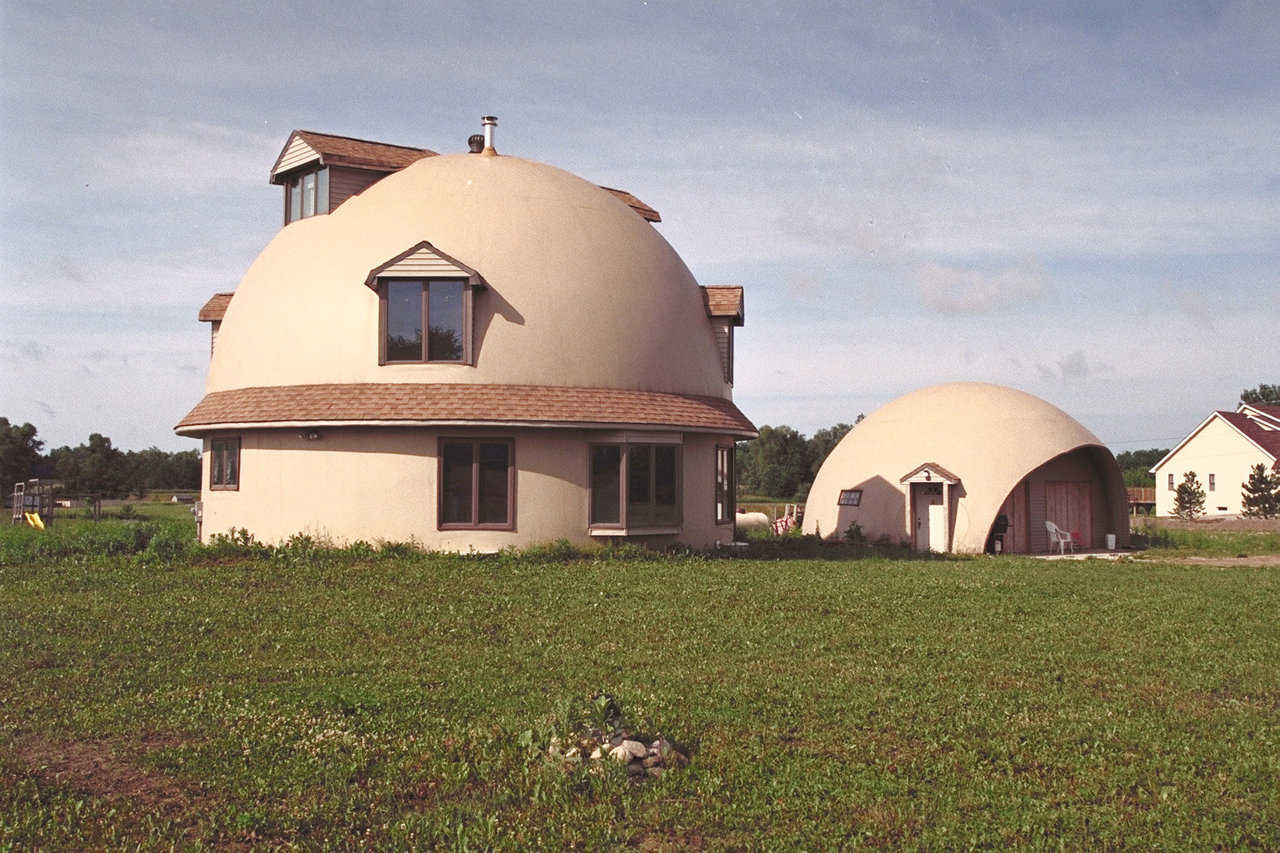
(823, 442)
(19, 453)
(95, 468)
(1265, 395)
(1260, 494)
(1188, 500)
(777, 463)
(1135, 466)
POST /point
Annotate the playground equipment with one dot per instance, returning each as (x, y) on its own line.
(33, 503)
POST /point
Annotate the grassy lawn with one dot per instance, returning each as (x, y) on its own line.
(314, 699)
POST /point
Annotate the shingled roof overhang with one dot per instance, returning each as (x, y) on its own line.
(447, 404)
(333, 150)
(215, 308)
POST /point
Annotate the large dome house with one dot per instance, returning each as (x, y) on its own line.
(467, 351)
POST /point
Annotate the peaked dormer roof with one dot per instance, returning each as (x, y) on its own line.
(305, 147)
(215, 308)
(634, 203)
(724, 300)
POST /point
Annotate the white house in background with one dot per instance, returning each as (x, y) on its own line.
(1221, 451)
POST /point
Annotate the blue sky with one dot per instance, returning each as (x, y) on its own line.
(1080, 200)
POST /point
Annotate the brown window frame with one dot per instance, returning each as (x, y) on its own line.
(293, 187)
(214, 450)
(1171, 488)
(849, 497)
(624, 476)
(383, 319)
(475, 442)
(729, 483)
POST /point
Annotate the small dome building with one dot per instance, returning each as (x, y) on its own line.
(970, 467)
(469, 351)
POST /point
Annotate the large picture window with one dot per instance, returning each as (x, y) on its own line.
(477, 484)
(224, 463)
(437, 305)
(726, 495)
(307, 194)
(635, 486)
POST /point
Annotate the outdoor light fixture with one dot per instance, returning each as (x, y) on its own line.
(310, 435)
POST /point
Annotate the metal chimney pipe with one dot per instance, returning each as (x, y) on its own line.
(489, 123)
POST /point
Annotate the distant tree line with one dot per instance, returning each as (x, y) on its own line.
(1135, 465)
(782, 463)
(93, 468)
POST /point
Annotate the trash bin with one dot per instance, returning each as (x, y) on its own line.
(1111, 541)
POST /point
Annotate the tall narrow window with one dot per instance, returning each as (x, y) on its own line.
(411, 305)
(224, 463)
(477, 484)
(1212, 483)
(726, 488)
(1171, 482)
(307, 195)
(635, 486)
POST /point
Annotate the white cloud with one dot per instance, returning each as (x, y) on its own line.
(969, 291)
(182, 158)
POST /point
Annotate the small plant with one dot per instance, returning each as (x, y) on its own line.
(1188, 501)
(1260, 495)
(853, 534)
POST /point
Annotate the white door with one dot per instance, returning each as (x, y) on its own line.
(931, 529)
(937, 525)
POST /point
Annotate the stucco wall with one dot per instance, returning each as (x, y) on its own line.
(1217, 449)
(380, 484)
(580, 290)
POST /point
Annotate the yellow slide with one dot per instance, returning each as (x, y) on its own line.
(33, 518)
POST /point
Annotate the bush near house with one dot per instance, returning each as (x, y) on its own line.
(1188, 500)
(1260, 494)
(247, 696)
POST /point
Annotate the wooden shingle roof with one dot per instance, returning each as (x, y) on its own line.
(215, 308)
(390, 403)
(331, 150)
(724, 300)
(634, 203)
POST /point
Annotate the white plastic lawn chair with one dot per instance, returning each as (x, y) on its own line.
(1061, 537)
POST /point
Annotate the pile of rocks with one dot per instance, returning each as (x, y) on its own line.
(621, 746)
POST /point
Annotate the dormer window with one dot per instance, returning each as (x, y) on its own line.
(424, 306)
(306, 195)
(411, 305)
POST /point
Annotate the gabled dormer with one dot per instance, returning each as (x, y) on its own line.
(319, 171)
(723, 303)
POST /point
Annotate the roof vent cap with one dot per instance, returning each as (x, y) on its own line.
(475, 143)
(489, 122)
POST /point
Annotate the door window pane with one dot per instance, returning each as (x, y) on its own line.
(322, 191)
(606, 472)
(495, 460)
(295, 201)
(404, 321)
(309, 194)
(456, 485)
(444, 312)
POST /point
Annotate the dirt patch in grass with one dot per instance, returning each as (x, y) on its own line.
(1257, 561)
(94, 768)
(1249, 525)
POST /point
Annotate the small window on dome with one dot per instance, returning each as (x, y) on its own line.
(850, 497)
(438, 305)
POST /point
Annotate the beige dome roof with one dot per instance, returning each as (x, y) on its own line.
(989, 436)
(581, 291)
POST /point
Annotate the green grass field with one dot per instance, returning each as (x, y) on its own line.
(316, 699)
